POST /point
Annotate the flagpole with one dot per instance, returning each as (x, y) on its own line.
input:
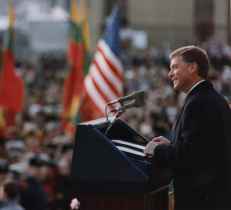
(228, 22)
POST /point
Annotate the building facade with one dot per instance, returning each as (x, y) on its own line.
(179, 22)
(174, 22)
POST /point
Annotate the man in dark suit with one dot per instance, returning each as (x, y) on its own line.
(200, 151)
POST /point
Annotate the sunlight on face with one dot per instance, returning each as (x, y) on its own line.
(179, 74)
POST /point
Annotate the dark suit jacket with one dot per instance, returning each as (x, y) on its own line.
(200, 155)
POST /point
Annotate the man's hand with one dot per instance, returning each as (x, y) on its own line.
(161, 140)
(75, 204)
(150, 147)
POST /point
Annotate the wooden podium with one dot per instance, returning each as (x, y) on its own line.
(106, 178)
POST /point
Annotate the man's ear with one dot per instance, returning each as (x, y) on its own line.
(194, 68)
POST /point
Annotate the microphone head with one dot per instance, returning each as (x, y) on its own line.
(140, 98)
(136, 98)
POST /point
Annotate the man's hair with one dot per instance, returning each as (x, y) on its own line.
(11, 190)
(194, 54)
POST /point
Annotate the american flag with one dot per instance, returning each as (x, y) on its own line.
(104, 81)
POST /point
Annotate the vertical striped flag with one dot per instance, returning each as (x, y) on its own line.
(78, 60)
(104, 81)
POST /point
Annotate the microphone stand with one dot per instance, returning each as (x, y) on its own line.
(118, 112)
(111, 122)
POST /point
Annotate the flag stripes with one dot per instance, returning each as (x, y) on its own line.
(94, 95)
(105, 80)
(102, 83)
(111, 58)
(112, 86)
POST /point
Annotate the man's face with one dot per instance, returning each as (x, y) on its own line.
(180, 74)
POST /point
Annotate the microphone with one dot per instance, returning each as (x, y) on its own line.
(137, 96)
(137, 99)
(134, 103)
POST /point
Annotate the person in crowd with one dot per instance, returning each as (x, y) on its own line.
(4, 171)
(10, 197)
(32, 193)
(199, 152)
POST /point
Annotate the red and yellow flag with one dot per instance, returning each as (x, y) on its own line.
(11, 85)
(78, 63)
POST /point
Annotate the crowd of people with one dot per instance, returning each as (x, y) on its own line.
(36, 158)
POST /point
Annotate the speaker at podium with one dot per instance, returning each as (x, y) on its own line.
(110, 171)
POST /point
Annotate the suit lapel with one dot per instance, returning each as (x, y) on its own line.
(176, 126)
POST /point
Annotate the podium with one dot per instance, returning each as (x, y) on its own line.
(110, 172)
